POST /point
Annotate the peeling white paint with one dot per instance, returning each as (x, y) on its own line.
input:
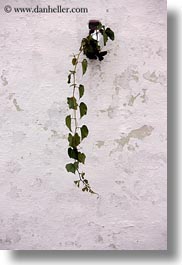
(40, 208)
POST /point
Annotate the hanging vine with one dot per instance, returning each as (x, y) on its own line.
(92, 50)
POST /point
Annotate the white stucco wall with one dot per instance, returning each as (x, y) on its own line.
(40, 208)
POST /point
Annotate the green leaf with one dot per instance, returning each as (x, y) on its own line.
(74, 61)
(84, 66)
(81, 90)
(105, 38)
(72, 167)
(83, 109)
(82, 175)
(69, 78)
(73, 153)
(77, 183)
(76, 165)
(81, 157)
(74, 140)
(72, 103)
(85, 189)
(70, 138)
(99, 26)
(84, 131)
(110, 33)
(68, 122)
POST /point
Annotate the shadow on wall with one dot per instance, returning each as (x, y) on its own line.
(172, 252)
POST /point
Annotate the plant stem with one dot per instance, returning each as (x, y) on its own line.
(74, 87)
(80, 174)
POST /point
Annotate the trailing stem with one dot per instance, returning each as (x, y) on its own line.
(89, 47)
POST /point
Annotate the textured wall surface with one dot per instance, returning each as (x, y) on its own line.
(40, 208)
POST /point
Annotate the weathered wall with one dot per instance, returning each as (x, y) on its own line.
(40, 208)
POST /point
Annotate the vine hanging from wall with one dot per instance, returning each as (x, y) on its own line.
(91, 49)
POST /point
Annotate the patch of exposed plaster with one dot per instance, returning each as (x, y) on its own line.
(99, 144)
(161, 53)
(110, 111)
(112, 246)
(139, 134)
(16, 105)
(36, 183)
(4, 79)
(154, 78)
(18, 137)
(100, 239)
(123, 80)
(132, 99)
(14, 192)
(55, 134)
(11, 95)
(144, 96)
(55, 114)
(11, 237)
(131, 147)
(13, 167)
